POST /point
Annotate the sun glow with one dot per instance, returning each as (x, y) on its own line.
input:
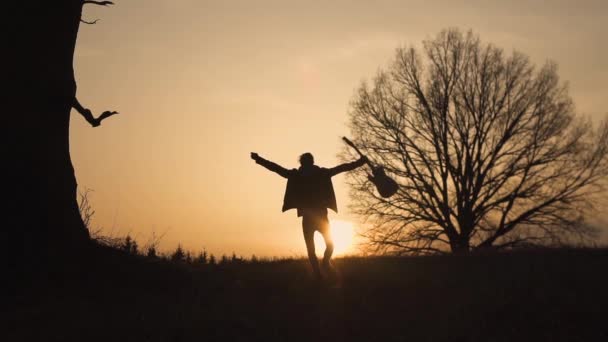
(342, 233)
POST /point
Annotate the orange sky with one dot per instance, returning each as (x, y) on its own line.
(200, 84)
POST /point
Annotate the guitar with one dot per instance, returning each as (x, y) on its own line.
(385, 185)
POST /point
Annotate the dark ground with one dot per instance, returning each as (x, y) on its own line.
(557, 295)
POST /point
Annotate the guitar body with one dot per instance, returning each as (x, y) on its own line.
(385, 185)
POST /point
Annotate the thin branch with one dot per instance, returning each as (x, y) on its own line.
(89, 22)
(99, 3)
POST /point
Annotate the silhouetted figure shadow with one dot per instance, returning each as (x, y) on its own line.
(311, 192)
(86, 113)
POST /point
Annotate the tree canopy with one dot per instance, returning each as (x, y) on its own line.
(487, 148)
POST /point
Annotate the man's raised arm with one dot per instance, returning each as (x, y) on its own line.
(283, 172)
(347, 166)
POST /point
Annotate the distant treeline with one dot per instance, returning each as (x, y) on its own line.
(181, 255)
(130, 246)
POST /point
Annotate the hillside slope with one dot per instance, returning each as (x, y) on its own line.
(525, 296)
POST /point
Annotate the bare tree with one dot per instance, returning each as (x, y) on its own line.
(486, 147)
(40, 185)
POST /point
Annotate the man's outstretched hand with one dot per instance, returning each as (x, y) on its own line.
(255, 156)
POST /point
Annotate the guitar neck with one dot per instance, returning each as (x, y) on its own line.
(351, 144)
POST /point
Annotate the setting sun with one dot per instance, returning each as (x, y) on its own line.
(343, 234)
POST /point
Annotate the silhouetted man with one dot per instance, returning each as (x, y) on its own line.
(310, 191)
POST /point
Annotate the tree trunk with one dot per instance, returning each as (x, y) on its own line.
(43, 211)
(460, 245)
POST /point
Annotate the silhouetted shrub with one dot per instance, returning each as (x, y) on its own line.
(235, 259)
(130, 246)
(151, 253)
(201, 258)
(178, 254)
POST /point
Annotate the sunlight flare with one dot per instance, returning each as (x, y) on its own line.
(343, 233)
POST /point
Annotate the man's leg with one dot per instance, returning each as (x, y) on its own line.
(309, 237)
(325, 230)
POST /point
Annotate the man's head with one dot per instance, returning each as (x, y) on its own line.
(307, 159)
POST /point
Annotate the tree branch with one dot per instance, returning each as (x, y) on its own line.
(99, 3)
(89, 22)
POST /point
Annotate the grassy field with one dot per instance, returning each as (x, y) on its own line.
(558, 295)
